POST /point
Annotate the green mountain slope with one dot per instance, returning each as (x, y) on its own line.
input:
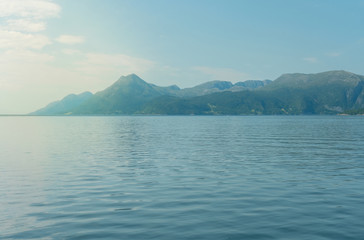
(125, 96)
(327, 92)
(220, 86)
(324, 93)
(130, 94)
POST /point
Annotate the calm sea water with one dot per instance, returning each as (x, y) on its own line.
(265, 177)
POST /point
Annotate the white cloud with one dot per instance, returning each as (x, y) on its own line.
(36, 9)
(23, 18)
(18, 40)
(25, 25)
(226, 74)
(310, 59)
(70, 39)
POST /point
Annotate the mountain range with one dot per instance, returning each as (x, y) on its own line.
(332, 92)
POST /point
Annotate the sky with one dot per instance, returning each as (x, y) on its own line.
(49, 49)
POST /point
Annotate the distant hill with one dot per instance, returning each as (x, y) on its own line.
(63, 106)
(330, 92)
(253, 84)
(220, 86)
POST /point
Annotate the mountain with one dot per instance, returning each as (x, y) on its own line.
(129, 94)
(126, 96)
(323, 93)
(330, 92)
(253, 84)
(220, 86)
(63, 106)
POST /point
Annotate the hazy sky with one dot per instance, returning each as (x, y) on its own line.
(49, 49)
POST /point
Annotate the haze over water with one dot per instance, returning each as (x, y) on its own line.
(182, 177)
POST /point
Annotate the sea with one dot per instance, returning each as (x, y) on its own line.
(182, 177)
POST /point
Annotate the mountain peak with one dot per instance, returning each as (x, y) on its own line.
(81, 95)
(130, 77)
(128, 81)
(340, 73)
(221, 85)
(301, 80)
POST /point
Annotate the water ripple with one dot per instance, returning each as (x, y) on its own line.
(297, 177)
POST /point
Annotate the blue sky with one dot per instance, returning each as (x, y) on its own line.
(49, 49)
